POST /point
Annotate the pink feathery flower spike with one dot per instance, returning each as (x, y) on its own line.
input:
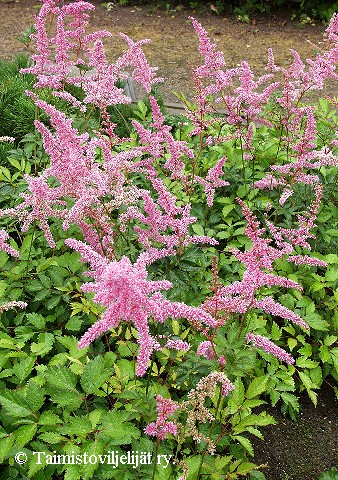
(261, 342)
(160, 429)
(4, 246)
(127, 294)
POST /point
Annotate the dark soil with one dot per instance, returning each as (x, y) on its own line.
(292, 451)
(301, 450)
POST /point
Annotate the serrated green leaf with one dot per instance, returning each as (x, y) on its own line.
(95, 373)
(276, 332)
(37, 320)
(49, 418)
(254, 431)
(6, 445)
(42, 294)
(257, 475)
(116, 427)
(175, 327)
(227, 209)
(256, 387)
(51, 302)
(61, 385)
(331, 275)
(331, 258)
(198, 229)
(52, 438)
(254, 420)
(34, 395)
(324, 353)
(316, 376)
(77, 426)
(245, 468)
(193, 463)
(14, 404)
(46, 264)
(306, 350)
(71, 400)
(7, 343)
(46, 282)
(3, 286)
(330, 339)
(292, 342)
(44, 345)
(73, 472)
(303, 362)
(24, 434)
(306, 380)
(221, 462)
(237, 395)
(316, 322)
(23, 367)
(245, 442)
(74, 324)
(290, 399)
(313, 396)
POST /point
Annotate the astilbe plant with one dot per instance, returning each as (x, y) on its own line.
(93, 182)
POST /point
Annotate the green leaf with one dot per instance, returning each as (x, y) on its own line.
(245, 442)
(3, 286)
(306, 350)
(77, 426)
(330, 339)
(198, 229)
(227, 209)
(256, 387)
(14, 404)
(193, 463)
(324, 353)
(6, 445)
(331, 275)
(61, 386)
(53, 301)
(37, 320)
(290, 399)
(313, 397)
(255, 431)
(329, 474)
(52, 438)
(95, 373)
(117, 429)
(245, 468)
(237, 395)
(316, 376)
(276, 332)
(73, 472)
(316, 322)
(44, 345)
(331, 258)
(46, 282)
(74, 324)
(23, 367)
(34, 395)
(221, 462)
(46, 264)
(292, 342)
(303, 362)
(257, 475)
(24, 434)
(49, 418)
(306, 380)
